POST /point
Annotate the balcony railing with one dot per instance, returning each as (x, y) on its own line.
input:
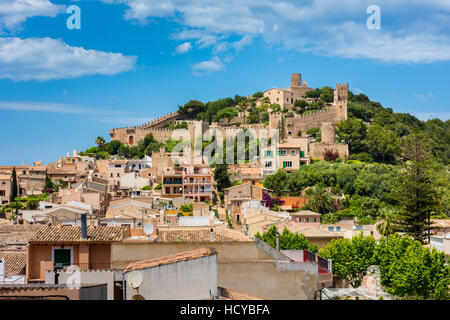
(84, 266)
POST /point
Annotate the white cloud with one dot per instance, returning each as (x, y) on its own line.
(326, 27)
(207, 66)
(62, 108)
(101, 115)
(443, 115)
(184, 47)
(48, 59)
(14, 12)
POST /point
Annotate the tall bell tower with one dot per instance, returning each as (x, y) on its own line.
(340, 101)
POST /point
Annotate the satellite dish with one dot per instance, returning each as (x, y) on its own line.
(148, 229)
(113, 223)
(134, 278)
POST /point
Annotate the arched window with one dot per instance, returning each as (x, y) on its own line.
(131, 140)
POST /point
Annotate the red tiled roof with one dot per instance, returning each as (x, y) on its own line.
(71, 234)
(186, 234)
(173, 258)
(15, 261)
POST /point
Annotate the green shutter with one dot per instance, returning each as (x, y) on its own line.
(302, 154)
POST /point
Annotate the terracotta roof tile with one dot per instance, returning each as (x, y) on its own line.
(15, 261)
(227, 294)
(183, 234)
(173, 258)
(73, 234)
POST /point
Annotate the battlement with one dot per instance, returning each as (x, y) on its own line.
(151, 123)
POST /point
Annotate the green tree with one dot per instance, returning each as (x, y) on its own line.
(113, 147)
(222, 178)
(351, 258)
(320, 200)
(242, 107)
(227, 113)
(414, 191)
(100, 142)
(14, 184)
(278, 182)
(288, 239)
(382, 144)
(300, 106)
(49, 183)
(192, 108)
(327, 94)
(32, 203)
(385, 227)
(409, 269)
(352, 131)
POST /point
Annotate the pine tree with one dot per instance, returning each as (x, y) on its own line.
(414, 191)
(14, 184)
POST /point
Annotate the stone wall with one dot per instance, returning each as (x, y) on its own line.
(317, 150)
(242, 266)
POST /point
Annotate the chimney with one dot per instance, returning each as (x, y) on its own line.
(161, 216)
(155, 228)
(278, 241)
(211, 235)
(83, 226)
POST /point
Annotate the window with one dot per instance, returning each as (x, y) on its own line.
(287, 164)
(268, 164)
(2, 193)
(268, 153)
(281, 152)
(314, 219)
(62, 257)
(293, 152)
(330, 229)
(338, 228)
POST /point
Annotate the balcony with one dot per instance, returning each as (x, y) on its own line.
(84, 266)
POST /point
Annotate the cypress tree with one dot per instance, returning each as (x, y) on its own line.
(414, 191)
(14, 184)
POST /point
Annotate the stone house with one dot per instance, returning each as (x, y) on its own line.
(5, 188)
(60, 247)
(234, 197)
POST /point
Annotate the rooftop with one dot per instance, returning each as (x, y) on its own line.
(69, 234)
(306, 213)
(173, 258)
(15, 261)
(199, 234)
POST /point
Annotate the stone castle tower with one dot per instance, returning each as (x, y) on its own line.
(296, 80)
(328, 133)
(341, 100)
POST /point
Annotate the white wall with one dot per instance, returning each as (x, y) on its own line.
(131, 180)
(85, 277)
(194, 279)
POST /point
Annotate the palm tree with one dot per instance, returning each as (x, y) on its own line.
(386, 227)
(100, 141)
(242, 107)
(320, 199)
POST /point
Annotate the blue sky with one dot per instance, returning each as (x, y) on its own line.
(134, 60)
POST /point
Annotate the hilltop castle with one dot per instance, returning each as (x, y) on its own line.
(331, 113)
